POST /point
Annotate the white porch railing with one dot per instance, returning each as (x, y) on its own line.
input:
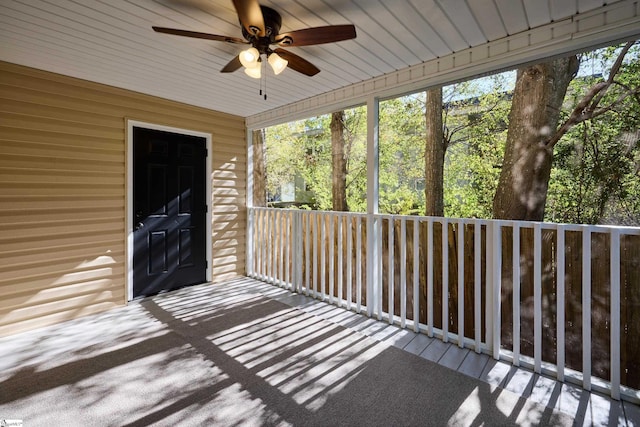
(569, 313)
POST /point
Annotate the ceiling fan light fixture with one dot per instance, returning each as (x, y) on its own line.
(249, 58)
(253, 72)
(277, 63)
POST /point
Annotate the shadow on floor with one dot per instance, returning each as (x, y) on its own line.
(229, 355)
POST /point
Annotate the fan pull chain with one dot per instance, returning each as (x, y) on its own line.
(263, 80)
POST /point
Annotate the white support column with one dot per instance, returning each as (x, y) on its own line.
(373, 191)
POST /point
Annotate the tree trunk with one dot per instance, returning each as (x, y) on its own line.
(339, 163)
(533, 119)
(259, 169)
(435, 147)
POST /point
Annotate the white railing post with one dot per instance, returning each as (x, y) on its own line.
(340, 259)
(372, 264)
(289, 245)
(315, 254)
(391, 269)
(403, 272)
(460, 226)
(250, 242)
(445, 280)
(330, 241)
(516, 293)
(416, 275)
(378, 276)
(274, 246)
(264, 244)
(307, 253)
(349, 261)
(494, 280)
(323, 256)
(358, 264)
(537, 298)
(560, 305)
(430, 277)
(477, 283)
(281, 222)
(586, 308)
(297, 252)
(615, 313)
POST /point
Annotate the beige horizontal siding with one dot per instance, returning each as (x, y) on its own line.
(63, 191)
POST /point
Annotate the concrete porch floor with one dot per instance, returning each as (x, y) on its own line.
(248, 353)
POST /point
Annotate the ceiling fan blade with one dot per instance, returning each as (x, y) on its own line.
(317, 35)
(198, 35)
(250, 16)
(233, 65)
(298, 63)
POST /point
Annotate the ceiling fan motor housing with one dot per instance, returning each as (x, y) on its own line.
(272, 24)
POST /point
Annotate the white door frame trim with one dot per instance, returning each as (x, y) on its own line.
(130, 124)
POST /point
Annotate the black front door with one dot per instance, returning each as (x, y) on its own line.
(169, 211)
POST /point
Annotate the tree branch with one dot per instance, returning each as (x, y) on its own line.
(614, 71)
(586, 108)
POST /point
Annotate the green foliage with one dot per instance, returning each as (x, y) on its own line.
(595, 176)
(300, 152)
(401, 155)
(476, 116)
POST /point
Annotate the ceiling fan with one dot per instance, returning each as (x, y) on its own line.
(261, 29)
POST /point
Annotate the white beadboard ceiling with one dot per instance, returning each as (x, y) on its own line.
(111, 42)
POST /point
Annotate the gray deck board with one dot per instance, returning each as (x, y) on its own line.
(453, 357)
(473, 364)
(418, 344)
(435, 350)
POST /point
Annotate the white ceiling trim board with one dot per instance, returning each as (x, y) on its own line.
(618, 21)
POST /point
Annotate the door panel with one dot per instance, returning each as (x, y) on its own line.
(169, 211)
